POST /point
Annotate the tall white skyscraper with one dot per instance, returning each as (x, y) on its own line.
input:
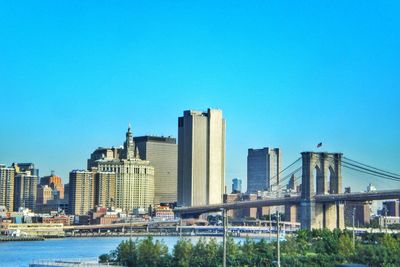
(201, 158)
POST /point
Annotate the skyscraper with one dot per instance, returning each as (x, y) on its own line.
(81, 191)
(162, 152)
(25, 167)
(105, 189)
(7, 187)
(55, 182)
(263, 169)
(236, 185)
(201, 157)
(25, 189)
(134, 187)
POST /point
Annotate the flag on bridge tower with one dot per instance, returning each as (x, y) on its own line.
(319, 145)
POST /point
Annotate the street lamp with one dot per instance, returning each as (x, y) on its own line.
(278, 242)
(354, 235)
(225, 224)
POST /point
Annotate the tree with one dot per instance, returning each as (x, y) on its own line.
(152, 254)
(345, 247)
(126, 253)
(205, 254)
(182, 253)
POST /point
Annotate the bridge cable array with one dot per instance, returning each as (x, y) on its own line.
(279, 182)
(367, 169)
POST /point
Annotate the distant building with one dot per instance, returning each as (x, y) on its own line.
(292, 183)
(371, 188)
(103, 154)
(391, 208)
(362, 213)
(263, 169)
(236, 185)
(44, 194)
(164, 213)
(134, 177)
(81, 192)
(244, 212)
(162, 152)
(25, 189)
(26, 167)
(201, 158)
(385, 221)
(7, 187)
(55, 183)
(105, 189)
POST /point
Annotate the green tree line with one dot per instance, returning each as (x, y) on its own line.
(305, 248)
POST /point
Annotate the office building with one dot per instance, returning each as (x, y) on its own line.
(201, 158)
(26, 167)
(7, 187)
(103, 153)
(54, 182)
(134, 177)
(81, 192)
(105, 183)
(162, 152)
(44, 194)
(361, 212)
(25, 189)
(263, 169)
(236, 185)
(391, 208)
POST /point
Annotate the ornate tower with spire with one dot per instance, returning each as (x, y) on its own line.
(129, 145)
(134, 178)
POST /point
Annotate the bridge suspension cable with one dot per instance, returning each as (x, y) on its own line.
(373, 168)
(289, 166)
(280, 185)
(366, 169)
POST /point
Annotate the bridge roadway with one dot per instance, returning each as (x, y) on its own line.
(134, 224)
(290, 200)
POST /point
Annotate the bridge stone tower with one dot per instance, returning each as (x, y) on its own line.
(322, 175)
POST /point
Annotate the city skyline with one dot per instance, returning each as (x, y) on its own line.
(286, 75)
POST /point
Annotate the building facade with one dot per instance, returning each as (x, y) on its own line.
(54, 182)
(81, 192)
(236, 185)
(162, 152)
(103, 153)
(201, 158)
(26, 167)
(361, 212)
(134, 187)
(44, 194)
(25, 191)
(7, 187)
(105, 189)
(391, 208)
(263, 169)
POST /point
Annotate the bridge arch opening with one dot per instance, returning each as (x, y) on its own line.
(331, 180)
(318, 181)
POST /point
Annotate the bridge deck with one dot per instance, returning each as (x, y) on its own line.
(353, 197)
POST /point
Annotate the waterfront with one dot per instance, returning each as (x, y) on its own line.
(16, 254)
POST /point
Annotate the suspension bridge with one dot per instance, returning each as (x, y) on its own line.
(321, 199)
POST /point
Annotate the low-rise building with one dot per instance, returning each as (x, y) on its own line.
(164, 213)
(35, 229)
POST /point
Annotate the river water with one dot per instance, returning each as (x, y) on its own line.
(22, 253)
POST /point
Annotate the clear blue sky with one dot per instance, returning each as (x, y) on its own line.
(286, 74)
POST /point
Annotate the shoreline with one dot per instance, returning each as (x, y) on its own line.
(135, 235)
